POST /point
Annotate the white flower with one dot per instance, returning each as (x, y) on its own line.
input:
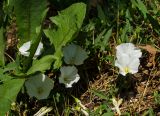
(74, 54)
(127, 58)
(39, 86)
(69, 76)
(26, 46)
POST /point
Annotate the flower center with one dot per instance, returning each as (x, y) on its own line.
(72, 60)
(40, 90)
(126, 70)
(67, 79)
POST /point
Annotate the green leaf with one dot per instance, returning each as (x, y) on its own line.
(68, 24)
(155, 23)
(98, 40)
(142, 8)
(2, 47)
(12, 66)
(102, 40)
(108, 114)
(127, 29)
(101, 14)
(149, 112)
(107, 36)
(8, 94)
(140, 5)
(100, 94)
(29, 15)
(4, 77)
(41, 65)
(128, 15)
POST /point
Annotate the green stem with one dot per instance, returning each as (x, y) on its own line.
(34, 45)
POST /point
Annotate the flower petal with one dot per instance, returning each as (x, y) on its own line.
(134, 65)
(24, 48)
(74, 54)
(68, 85)
(68, 71)
(69, 54)
(39, 50)
(128, 48)
(125, 47)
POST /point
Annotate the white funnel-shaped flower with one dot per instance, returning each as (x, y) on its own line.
(39, 86)
(69, 75)
(127, 58)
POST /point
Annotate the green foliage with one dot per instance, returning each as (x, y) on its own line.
(29, 16)
(157, 97)
(149, 112)
(109, 113)
(8, 93)
(140, 5)
(108, 23)
(101, 15)
(127, 29)
(101, 95)
(102, 40)
(68, 24)
(41, 65)
(155, 23)
(4, 77)
(102, 110)
(2, 47)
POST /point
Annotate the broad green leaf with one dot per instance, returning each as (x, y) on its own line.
(29, 15)
(8, 94)
(2, 47)
(12, 66)
(41, 65)
(4, 77)
(68, 24)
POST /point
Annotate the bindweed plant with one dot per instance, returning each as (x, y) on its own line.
(52, 50)
(30, 65)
